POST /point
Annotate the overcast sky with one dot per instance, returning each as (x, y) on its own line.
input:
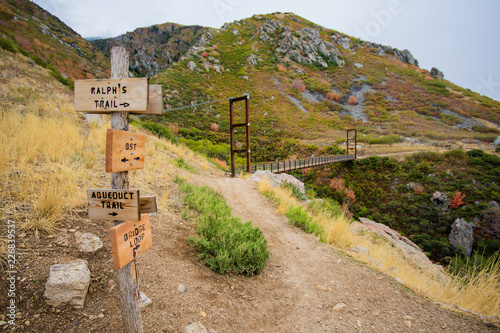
(459, 37)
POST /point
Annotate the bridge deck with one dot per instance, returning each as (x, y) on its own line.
(283, 166)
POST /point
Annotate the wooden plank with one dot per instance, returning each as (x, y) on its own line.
(147, 205)
(155, 105)
(118, 205)
(107, 95)
(129, 240)
(124, 150)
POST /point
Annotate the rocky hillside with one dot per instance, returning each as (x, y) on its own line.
(26, 27)
(325, 81)
(155, 48)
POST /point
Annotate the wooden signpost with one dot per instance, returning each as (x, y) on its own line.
(105, 96)
(124, 150)
(117, 205)
(129, 240)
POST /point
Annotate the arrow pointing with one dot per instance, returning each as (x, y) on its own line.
(113, 214)
(124, 104)
(137, 158)
(125, 160)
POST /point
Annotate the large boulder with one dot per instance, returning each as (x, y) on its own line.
(437, 73)
(67, 284)
(440, 200)
(413, 254)
(277, 179)
(461, 236)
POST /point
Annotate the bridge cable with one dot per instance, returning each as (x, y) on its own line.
(203, 103)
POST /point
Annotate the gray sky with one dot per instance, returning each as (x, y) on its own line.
(459, 37)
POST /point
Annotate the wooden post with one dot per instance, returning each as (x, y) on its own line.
(247, 112)
(131, 313)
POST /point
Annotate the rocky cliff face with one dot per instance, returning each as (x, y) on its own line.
(155, 48)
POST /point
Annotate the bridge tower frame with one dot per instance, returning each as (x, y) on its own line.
(233, 126)
(352, 142)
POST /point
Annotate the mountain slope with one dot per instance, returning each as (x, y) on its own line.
(325, 81)
(154, 48)
(32, 29)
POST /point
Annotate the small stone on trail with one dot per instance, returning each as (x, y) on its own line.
(203, 314)
(144, 300)
(407, 323)
(339, 307)
(196, 328)
(181, 288)
(320, 287)
(400, 281)
(407, 317)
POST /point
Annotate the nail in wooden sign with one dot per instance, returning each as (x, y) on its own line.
(124, 150)
(118, 205)
(107, 95)
(129, 240)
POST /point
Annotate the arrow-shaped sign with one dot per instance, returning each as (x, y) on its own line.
(113, 214)
(137, 158)
(125, 160)
(124, 104)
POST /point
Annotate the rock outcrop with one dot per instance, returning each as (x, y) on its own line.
(406, 247)
(304, 46)
(276, 180)
(461, 236)
(440, 200)
(437, 73)
(67, 284)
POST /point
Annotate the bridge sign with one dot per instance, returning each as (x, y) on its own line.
(107, 95)
(129, 240)
(118, 205)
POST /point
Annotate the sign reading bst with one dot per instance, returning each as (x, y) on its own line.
(107, 95)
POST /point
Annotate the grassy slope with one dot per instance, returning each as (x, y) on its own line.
(413, 112)
(34, 30)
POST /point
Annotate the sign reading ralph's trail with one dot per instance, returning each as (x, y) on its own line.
(107, 95)
(129, 240)
(119, 205)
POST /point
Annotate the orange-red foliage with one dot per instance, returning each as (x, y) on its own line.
(349, 193)
(174, 128)
(214, 127)
(337, 184)
(333, 97)
(352, 100)
(281, 68)
(299, 85)
(457, 200)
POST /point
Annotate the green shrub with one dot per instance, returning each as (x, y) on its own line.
(7, 45)
(297, 216)
(227, 245)
(223, 242)
(295, 191)
(181, 164)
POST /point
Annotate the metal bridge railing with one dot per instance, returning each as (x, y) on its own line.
(283, 166)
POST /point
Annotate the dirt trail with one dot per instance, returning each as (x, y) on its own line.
(302, 283)
(298, 291)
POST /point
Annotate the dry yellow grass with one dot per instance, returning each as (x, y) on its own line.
(478, 292)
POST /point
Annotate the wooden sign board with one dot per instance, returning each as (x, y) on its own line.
(129, 240)
(124, 150)
(155, 105)
(118, 205)
(107, 95)
(147, 205)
